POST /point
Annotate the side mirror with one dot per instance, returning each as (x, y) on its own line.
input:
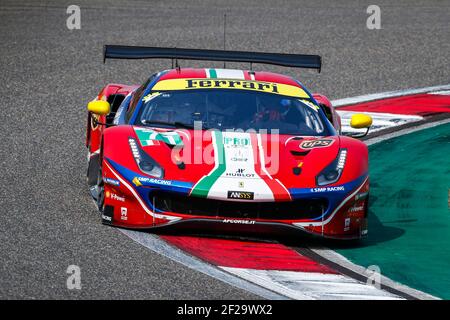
(99, 107)
(360, 121)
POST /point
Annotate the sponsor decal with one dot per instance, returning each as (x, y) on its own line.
(123, 213)
(238, 154)
(106, 218)
(239, 159)
(107, 215)
(347, 224)
(138, 181)
(328, 189)
(319, 143)
(241, 195)
(112, 182)
(238, 221)
(356, 209)
(114, 196)
(232, 84)
(150, 96)
(260, 86)
(155, 181)
(240, 173)
(241, 184)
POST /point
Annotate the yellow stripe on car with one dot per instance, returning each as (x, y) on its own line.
(192, 84)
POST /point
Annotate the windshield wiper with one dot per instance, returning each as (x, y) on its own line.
(167, 123)
(175, 124)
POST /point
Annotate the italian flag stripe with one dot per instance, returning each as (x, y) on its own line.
(225, 74)
(279, 191)
(202, 187)
(213, 73)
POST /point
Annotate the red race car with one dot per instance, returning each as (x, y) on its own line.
(225, 149)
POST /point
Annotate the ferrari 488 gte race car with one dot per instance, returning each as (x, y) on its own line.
(225, 149)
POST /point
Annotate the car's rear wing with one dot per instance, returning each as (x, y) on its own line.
(280, 59)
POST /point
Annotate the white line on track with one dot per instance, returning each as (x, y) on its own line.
(313, 285)
(339, 259)
(385, 95)
(154, 243)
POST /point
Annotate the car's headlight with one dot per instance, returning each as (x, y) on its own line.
(333, 171)
(144, 161)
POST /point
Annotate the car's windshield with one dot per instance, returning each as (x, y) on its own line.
(233, 110)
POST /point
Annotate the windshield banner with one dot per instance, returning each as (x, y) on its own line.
(268, 87)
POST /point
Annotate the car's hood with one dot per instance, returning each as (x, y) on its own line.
(217, 163)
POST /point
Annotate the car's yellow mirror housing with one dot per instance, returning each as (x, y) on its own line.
(99, 107)
(359, 121)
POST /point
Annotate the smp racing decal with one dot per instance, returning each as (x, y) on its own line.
(319, 143)
(328, 189)
(241, 195)
(268, 87)
(139, 181)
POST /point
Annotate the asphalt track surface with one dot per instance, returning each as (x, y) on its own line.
(49, 73)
